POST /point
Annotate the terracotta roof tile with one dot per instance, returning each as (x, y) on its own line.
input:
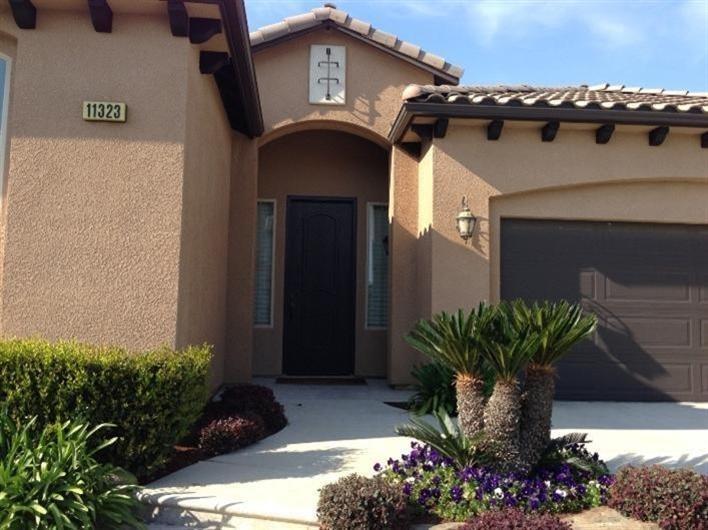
(321, 15)
(617, 97)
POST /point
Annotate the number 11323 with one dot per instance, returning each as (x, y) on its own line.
(105, 111)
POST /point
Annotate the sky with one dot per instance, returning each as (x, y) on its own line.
(648, 43)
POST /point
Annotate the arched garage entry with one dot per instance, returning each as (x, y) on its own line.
(321, 286)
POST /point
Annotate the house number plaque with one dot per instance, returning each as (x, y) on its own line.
(105, 111)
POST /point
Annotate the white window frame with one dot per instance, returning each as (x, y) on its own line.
(271, 321)
(369, 263)
(4, 148)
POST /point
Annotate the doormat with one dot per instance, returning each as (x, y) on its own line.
(291, 380)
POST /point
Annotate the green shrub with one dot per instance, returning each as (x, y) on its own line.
(435, 389)
(358, 503)
(677, 499)
(49, 479)
(448, 440)
(153, 397)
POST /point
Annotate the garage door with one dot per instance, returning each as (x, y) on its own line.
(648, 285)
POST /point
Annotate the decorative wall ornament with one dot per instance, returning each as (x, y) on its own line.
(327, 74)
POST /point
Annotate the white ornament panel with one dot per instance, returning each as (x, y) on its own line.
(327, 74)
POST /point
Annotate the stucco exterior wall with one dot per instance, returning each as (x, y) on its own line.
(242, 227)
(375, 81)
(201, 314)
(569, 178)
(520, 176)
(94, 210)
(328, 164)
(406, 266)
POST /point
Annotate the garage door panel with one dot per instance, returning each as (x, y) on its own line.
(585, 380)
(653, 286)
(645, 332)
(703, 289)
(646, 284)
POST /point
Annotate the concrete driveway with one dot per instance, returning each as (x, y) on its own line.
(337, 430)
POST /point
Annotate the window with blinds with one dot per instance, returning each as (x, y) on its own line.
(4, 93)
(263, 299)
(377, 266)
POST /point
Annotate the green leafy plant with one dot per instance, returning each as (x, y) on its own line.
(570, 449)
(435, 389)
(448, 439)
(454, 340)
(153, 397)
(358, 503)
(558, 326)
(50, 479)
(677, 499)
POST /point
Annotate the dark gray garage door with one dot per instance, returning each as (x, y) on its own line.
(648, 285)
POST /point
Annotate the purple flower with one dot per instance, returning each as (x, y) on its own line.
(377, 467)
(407, 488)
(456, 493)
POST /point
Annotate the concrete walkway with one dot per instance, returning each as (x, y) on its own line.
(337, 430)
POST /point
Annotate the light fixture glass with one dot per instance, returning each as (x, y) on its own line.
(465, 221)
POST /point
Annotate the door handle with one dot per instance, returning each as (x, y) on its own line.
(291, 305)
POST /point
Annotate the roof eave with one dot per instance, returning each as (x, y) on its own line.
(412, 109)
(329, 24)
(233, 15)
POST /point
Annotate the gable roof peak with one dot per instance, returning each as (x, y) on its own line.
(328, 14)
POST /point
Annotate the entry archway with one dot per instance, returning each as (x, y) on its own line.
(321, 294)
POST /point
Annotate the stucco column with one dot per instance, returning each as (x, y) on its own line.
(242, 235)
(459, 271)
(403, 285)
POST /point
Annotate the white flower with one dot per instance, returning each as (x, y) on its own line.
(498, 493)
(562, 493)
(547, 483)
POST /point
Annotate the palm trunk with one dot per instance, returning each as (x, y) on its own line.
(501, 423)
(536, 411)
(470, 403)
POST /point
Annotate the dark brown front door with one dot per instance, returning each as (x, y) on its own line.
(320, 286)
(648, 285)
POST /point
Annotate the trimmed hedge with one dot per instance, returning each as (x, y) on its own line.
(359, 503)
(152, 397)
(515, 519)
(225, 435)
(677, 499)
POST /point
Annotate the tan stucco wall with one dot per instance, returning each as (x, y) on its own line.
(407, 265)
(98, 246)
(201, 315)
(375, 81)
(322, 163)
(520, 176)
(242, 222)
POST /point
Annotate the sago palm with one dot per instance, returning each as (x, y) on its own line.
(559, 326)
(507, 350)
(454, 340)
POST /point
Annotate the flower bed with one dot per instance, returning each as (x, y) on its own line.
(436, 487)
(240, 416)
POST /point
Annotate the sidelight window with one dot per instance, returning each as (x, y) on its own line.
(265, 250)
(377, 266)
(4, 97)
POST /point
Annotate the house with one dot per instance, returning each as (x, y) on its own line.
(291, 196)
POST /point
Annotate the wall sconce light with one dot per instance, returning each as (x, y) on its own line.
(465, 221)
